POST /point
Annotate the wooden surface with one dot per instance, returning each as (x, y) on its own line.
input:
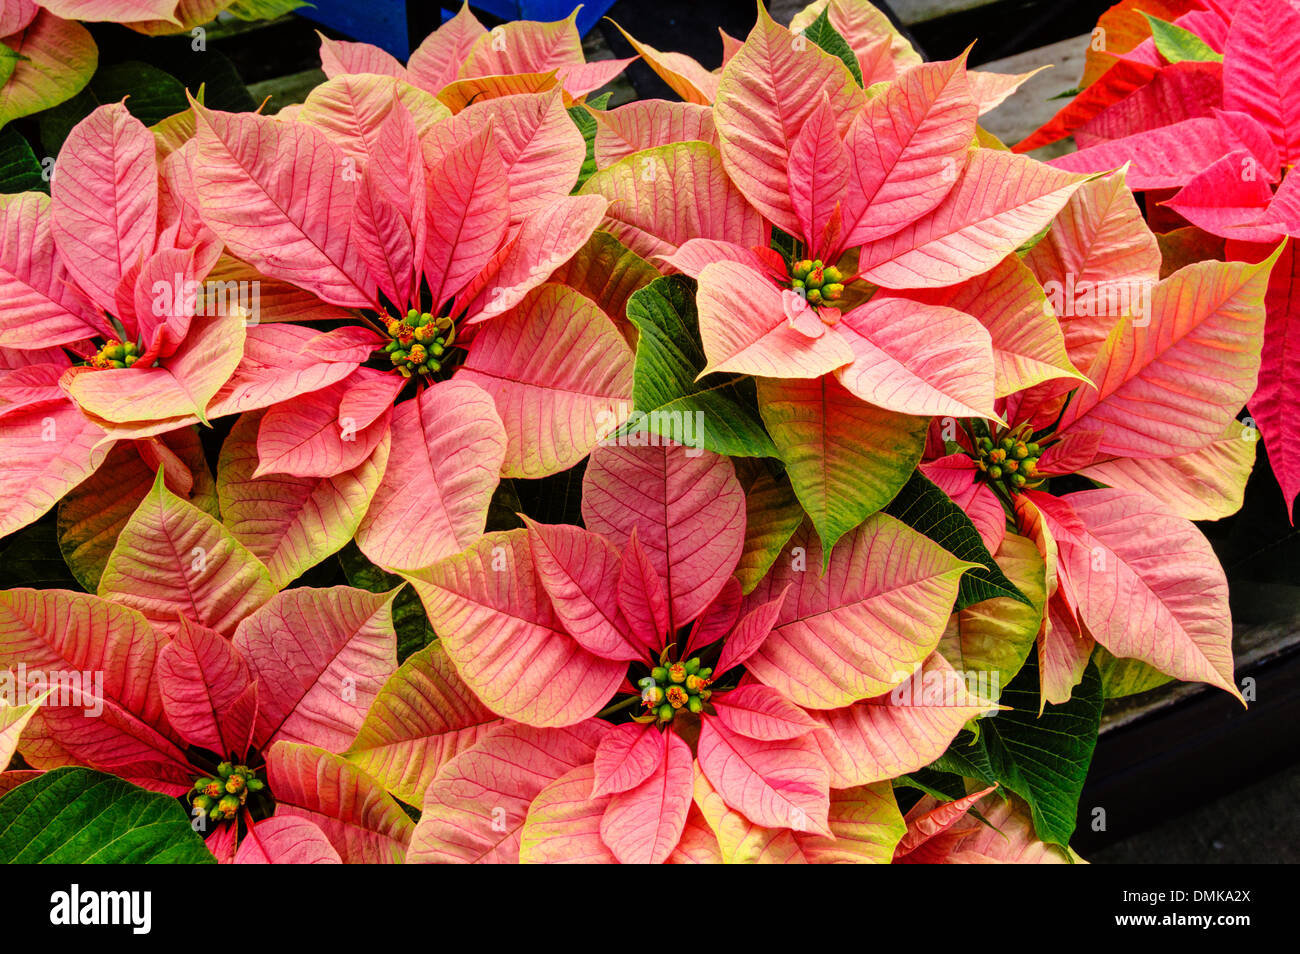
(921, 11)
(1032, 104)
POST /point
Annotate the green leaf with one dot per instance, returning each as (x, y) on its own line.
(151, 96)
(925, 508)
(789, 247)
(20, 170)
(409, 620)
(264, 9)
(56, 122)
(829, 39)
(846, 459)
(996, 635)
(1178, 45)
(586, 124)
(9, 59)
(772, 515)
(669, 356)
(211, 71)
(78, 816)
(1125, 677)
(941, 785)
(1033, 240)
(1043, 759)
(31, 557)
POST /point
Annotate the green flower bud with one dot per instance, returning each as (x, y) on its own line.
(229, 804)
(833, 291)
(225, 769)
(833, 275)
(706, 672)
(256, 785)
(204, 804)
(235, 784)
(677, 673)
(814, 296)
(995, 472)
(1018, 480)
(692, 665)
(652, 696)
(666, 713)
(659, 674)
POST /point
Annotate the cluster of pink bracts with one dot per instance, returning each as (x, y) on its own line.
(427, 280)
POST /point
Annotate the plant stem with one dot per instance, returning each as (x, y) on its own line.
(619, 706)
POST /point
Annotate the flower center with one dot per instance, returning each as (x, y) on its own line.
(672, 687)
(419, 342)
(219, 797)
(1010, 460)
(817, 282)
(115, 354)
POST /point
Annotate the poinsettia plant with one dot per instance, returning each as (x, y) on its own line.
(1213, 157)
(462, 62)
(216, 688)
(786, 474)
(437, 234)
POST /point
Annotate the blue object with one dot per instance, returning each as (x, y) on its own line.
(545, 10)
(385, 22)
(381, 22)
